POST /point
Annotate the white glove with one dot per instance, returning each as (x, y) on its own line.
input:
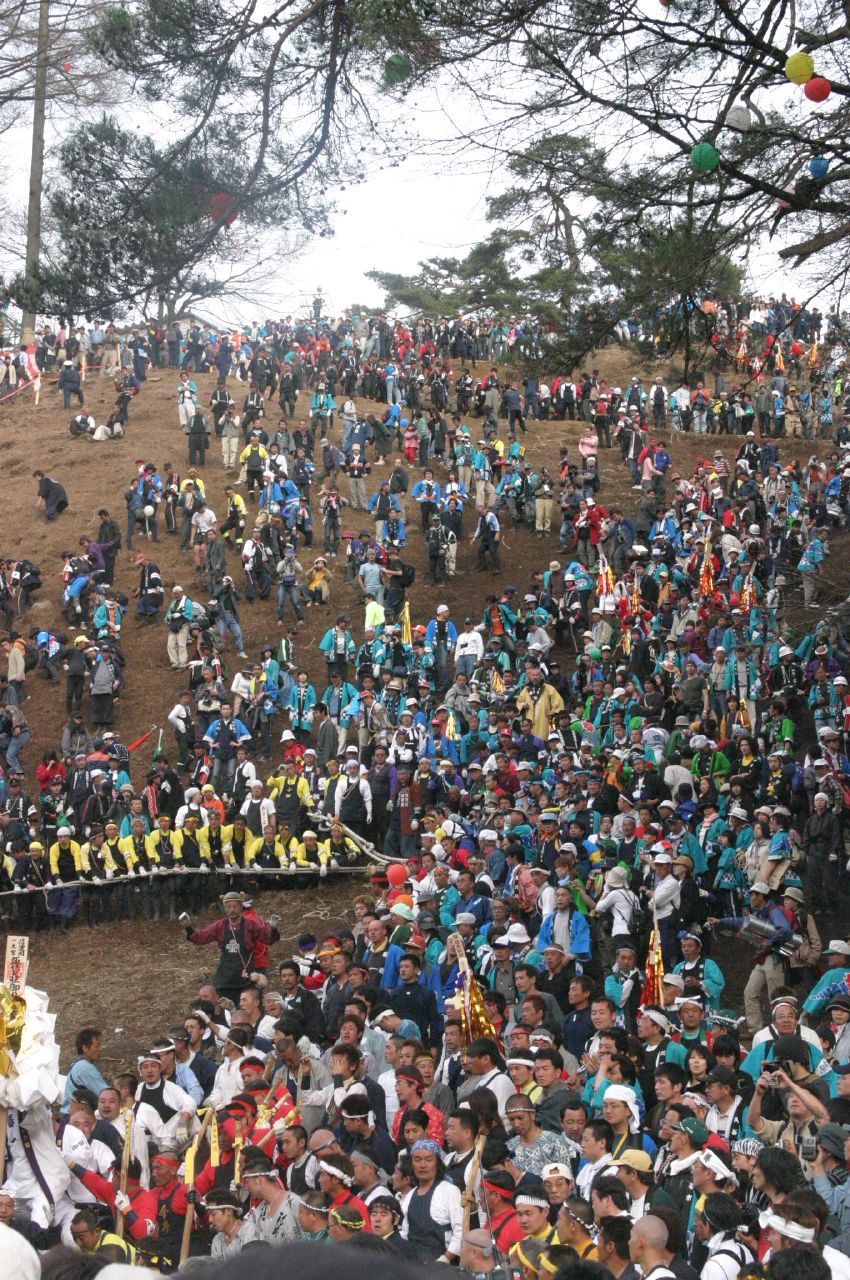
(17, 889)
(262, 980)
(142, 871)
(279, 1127)
(96, 880)
(202, 1016)
(132, 872)
(122, 1201)
(414, 826)
(289, 869)
(204, 869)
(323, 870)
(334, 864)
(181, 1133)
(110, 874)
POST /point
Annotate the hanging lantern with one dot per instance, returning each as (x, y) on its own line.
(223, 209)
(800, 67)
(704, 158)
(738, 117)
(818, 167)
(397, 68)
(817, 89)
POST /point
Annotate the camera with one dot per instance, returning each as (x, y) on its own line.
(808, 1149)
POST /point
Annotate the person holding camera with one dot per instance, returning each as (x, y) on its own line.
(786, 1082)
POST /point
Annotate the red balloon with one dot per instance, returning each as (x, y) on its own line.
(396, 873)
(817, 89)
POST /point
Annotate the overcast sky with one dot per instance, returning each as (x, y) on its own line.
(432, 205)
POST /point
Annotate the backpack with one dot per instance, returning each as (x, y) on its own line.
(641, 919)
(436, 541)
(408, 575)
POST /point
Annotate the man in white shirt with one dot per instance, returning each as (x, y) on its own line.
(469, 649)
(715, 1225)
(167, 1112)
(726, 1114)
(484, 1072)
(595, 1147)
(228, 1078)
(665, 895)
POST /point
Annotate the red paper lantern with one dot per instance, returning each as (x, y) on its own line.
(396, 873)
(817, 89)
(223, 209)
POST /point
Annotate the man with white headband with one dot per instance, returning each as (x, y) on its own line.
(232, 1233)
(711, 1173)
(653, 1028)
(336, 1179)
(787, 1226)
(228, 1078)
(162, 1108)
(274, 1216)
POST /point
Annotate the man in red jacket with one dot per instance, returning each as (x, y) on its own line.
(336, 1178)
(237, 936)
(138, 1207)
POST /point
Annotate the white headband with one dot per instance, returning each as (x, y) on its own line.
(333, 1172)
(793, 1230)
(711, 1160)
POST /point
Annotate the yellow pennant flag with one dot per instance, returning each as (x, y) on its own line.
(404, 619)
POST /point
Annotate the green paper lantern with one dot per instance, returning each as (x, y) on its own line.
(397, 68)
(704, 158)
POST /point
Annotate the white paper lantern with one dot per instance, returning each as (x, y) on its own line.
(738, 117)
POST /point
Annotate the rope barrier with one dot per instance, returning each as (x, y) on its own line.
(168, 872)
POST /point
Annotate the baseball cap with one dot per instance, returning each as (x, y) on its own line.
(694, 1129)
(640, 1161)
(721, 1075)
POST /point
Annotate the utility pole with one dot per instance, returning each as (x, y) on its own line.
(36, 163)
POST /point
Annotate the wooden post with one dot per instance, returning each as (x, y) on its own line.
(189, 1181)
(125, 1162)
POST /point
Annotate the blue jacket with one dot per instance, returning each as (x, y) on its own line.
(579, 934)
(478, 906)
(431, 634)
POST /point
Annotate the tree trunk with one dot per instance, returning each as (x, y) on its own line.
(36, 165)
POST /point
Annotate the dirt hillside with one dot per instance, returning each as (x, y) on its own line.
(139, 978)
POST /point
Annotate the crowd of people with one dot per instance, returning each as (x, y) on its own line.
(518, 1052)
